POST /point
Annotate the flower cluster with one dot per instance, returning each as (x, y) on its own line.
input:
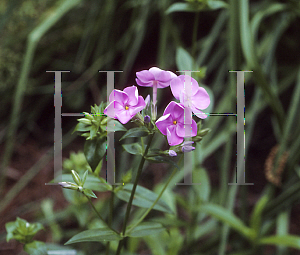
(176, 123)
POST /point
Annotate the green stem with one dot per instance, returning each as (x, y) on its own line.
(110, 219)
(139, 172)
(154, 203)
(98, 214)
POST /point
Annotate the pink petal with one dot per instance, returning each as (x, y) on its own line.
(173, 138)
(163, 122)
(173, 75)
(133, 110)
(124, 116)
(156, 72)
(145, 76)
(199, 113)
(201, 99)
(175, 109)
(144, 84)
(176, 87)
(161, 85)
(118, 95)
(181, 132)
(113, 108)
(133, 94)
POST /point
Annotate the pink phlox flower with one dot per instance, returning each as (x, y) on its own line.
(154, 76)
(194, 97)
(172, 125)
(124, 104)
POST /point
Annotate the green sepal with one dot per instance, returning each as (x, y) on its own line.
(76, 178)
(89, 193)
(84, 177)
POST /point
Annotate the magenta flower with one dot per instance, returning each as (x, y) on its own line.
(124, 104)
(172, 124)
(154, 77)
(194, 97)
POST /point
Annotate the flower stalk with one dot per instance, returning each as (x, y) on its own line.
(139, 172)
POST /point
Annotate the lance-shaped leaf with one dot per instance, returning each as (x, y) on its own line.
(95, 235)
(136, 132)
(142, 198)
(133, 148)
(286, 240)
(229, 218)
(146, 229)
(94, 151)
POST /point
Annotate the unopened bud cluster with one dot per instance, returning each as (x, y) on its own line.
(94, 124)
(78, 185)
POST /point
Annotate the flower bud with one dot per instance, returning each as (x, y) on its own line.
(85, 121)
(88, 116)
(76, 178)
(172, 153)
(68, 185)
(147, 119)
(104, 121)
(186, 146)
(204, 132)
(147, 100)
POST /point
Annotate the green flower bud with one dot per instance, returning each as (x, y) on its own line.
(68, 185)
(76, 178)
(85, 121)
(104, 121)
(204, 132)
(88, 116)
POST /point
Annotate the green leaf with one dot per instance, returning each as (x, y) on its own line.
(92, 182)
(80, 127)
(184, 60)
(21, 230)
(181, 7)
(136, 132)
(89, 193)
(143, 198)
(214, 5)
(203, 191)
(161, 159)
(117, 126)
(94, 151)
(255, 220)
(36, 248)
(133, 148)
(229, 218)
(95, 235)
(146, 229)
(287, 240)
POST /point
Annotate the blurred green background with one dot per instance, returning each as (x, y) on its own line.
(85, 36)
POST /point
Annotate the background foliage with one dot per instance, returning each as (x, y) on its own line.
(85, 36)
